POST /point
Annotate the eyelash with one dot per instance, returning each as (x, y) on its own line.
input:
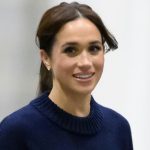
(73, 51)
(95, 49)
(69, 50)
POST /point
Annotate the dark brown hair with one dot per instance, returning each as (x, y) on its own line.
(50, 24)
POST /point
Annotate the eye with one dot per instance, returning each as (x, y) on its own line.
(94, 49)
(71, 51)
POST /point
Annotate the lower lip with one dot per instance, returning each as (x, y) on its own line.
(85, 80)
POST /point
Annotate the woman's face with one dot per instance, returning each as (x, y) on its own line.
(77, 57)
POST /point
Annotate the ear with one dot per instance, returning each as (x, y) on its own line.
(45, 59)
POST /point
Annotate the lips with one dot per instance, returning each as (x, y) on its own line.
(83, 75)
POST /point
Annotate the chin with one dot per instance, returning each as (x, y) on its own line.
(84, 91)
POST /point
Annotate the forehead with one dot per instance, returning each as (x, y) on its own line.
(79, 29)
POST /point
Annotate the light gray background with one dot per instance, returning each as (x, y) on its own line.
(125, 83)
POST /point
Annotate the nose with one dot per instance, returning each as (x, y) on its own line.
(84, 61)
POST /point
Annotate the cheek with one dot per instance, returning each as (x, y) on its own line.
(99, 64)
(62, 67)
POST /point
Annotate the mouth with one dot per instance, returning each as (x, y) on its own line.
(83, 76)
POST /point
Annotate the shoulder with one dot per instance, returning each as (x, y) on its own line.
(13, 128)
(114, 119)
(20, 119)
(117, 125)
(16, 128)
(16, 119)
(25, 118)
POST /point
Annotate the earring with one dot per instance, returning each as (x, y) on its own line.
(48, 68)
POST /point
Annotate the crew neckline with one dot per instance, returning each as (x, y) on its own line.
(90, 124)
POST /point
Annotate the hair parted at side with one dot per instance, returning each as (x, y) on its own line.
(50, 24)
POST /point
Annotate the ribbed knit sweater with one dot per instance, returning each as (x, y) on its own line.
(42, 125)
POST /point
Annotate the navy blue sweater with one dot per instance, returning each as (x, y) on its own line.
(42, 125)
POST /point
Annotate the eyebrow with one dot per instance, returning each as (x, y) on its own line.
(96, 42)
(76, 43)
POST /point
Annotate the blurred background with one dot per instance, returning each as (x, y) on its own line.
(125, 83)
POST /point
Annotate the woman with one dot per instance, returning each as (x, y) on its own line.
(72, 40)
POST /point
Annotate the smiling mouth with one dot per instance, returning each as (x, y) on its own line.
(83, 76)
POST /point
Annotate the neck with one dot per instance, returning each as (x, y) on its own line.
(75, 104)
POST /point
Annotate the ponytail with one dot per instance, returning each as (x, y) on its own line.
(45, 81)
